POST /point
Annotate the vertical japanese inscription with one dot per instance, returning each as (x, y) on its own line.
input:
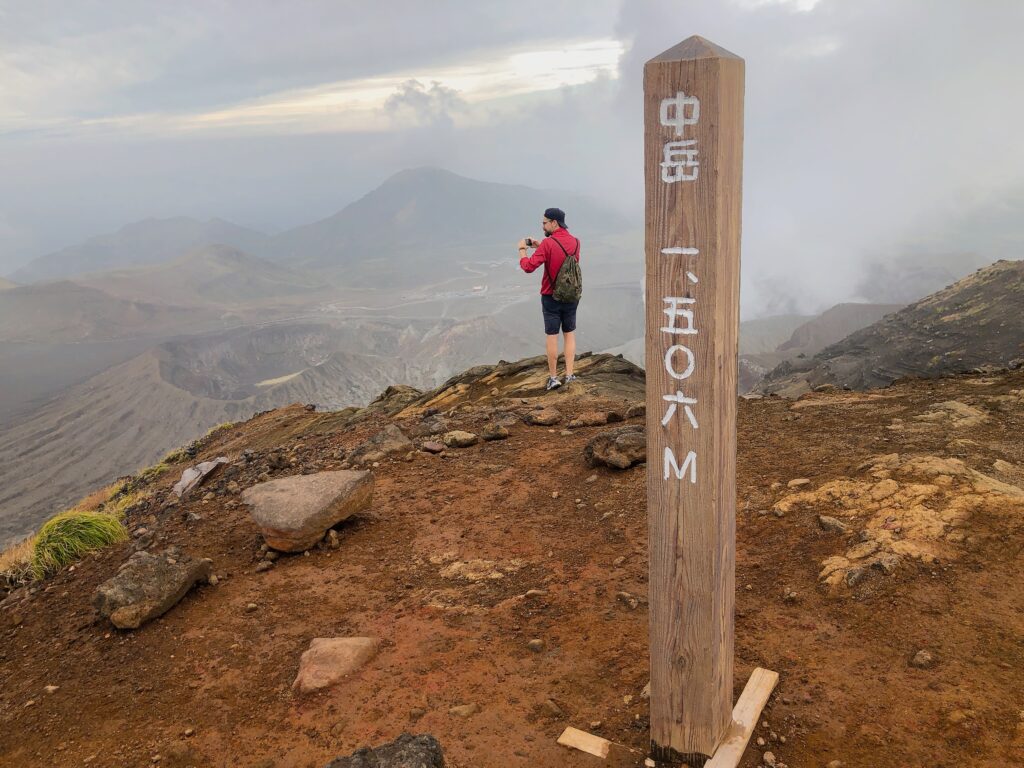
(680, 112)
(693, 104)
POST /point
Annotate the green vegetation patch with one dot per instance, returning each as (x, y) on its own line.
(65, 538)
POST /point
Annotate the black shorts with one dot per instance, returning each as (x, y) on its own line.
(558, 315)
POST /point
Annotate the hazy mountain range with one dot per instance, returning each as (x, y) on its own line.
(132, 343)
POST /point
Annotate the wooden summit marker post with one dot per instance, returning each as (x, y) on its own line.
(693, 140)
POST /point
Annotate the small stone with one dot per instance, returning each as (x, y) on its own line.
(535, 593)
(760, 741)
(551, 707)
(769, 759)
(836, 764)
(782, 739)
(595, 724)
(536, 645)
(51, 689)
(416, 713)
(591, 479)
(922, 660)
(213, 580)
(773, 736)
(618, 561)
(263, 566)
(251, 608)
(271, 555)
(432, 447)
(459, 439)
(832, 524)
(464, 710)
(494, 432)
(554, 494)
(797, 483)
(190, 731)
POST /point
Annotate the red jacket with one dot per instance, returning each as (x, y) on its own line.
(551, 256)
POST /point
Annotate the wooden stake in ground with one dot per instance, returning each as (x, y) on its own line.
(693, 139)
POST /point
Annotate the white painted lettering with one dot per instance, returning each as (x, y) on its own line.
(680, 111)
(674, 311)
(680, 163)
(670, 369)
(679, 399)
(671, 465)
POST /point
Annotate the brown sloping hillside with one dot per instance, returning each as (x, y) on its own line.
(64, 311)
(977, 321)
(210, 275)
(923, 481)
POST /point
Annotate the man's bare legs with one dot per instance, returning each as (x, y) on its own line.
(570, 352)
(552, 350)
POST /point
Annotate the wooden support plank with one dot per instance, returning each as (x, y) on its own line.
(585, 742)
(745, 715)
(693, 142)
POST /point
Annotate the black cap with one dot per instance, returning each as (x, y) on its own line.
(555, 214)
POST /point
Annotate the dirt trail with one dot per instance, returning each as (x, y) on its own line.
(439, 571)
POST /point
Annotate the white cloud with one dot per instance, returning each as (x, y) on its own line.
(358, 104)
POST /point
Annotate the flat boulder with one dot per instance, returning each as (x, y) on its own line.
(620, 448)
(147, 586)
(460, 439)
(329, 659)
(294, 513)
(388, 441)
(407, 751)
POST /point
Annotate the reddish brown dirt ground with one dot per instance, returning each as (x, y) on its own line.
(847, 690)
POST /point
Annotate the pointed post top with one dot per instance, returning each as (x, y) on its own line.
(695, 47)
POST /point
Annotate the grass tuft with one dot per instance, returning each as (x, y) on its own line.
(16, 563)
(65, 538)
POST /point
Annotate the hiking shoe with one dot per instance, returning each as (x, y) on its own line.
(571, 378)
(553, 383)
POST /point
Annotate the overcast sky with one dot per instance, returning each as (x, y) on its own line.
(876, 130)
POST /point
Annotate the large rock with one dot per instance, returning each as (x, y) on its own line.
(148, 586)
(329, 659)
(195, 476)
(388, 441)
(407, 751)
(620, 448)
(294, 513)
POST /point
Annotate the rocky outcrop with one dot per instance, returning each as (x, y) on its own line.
(294, 513)
(974, 322)
(147, 586)
(407, 751)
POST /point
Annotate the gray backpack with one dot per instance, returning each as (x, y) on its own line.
(569, 282)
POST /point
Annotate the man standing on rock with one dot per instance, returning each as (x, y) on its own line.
(557, 246)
